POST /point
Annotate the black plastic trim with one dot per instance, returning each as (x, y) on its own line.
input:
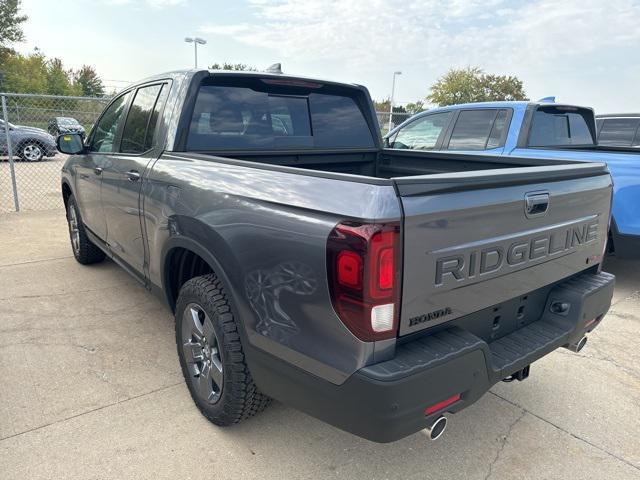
(386, 401)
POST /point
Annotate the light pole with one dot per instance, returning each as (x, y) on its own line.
(195, 41)
(393, 90)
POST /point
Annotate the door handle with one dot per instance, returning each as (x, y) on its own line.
(133, 175)
(97, 170)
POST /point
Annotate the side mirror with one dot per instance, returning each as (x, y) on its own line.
(70, 143)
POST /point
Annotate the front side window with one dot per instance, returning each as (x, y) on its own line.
(107, 127)
(560, 126)
(618, 132)
(237, 117)
(421, 134)
(135, 138)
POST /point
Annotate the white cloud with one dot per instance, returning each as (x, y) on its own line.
(151, 3)
(532, 39)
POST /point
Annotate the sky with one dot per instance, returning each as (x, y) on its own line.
(584, 52)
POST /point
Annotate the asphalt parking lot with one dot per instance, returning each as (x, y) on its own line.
(91, 389)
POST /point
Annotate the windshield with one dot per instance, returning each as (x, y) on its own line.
(558, 126)
(254, 114)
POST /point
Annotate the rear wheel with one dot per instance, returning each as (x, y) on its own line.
(31, 152)
(211, 354)
(84, 250)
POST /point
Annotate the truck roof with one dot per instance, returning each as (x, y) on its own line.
(618, 115)
(192, 71)
(521, 104)
(516, 105)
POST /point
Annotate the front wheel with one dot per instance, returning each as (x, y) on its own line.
(31, 152)
(211, 354)
(84, 250)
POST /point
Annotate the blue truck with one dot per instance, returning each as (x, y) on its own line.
(542, 129)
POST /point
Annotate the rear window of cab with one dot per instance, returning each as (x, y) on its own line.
(252, 114)
(558, 126)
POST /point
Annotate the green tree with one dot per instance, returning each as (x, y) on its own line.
(232, 66)
(88, 82)
(58, 79)
(471, 84)
(11, 22)
(415, 107)
(25, 73)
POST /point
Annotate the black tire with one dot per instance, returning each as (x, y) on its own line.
(31, 151)
(84, 250)
(238, 397)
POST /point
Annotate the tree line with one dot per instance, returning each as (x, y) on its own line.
(463, 85)
(34, 72)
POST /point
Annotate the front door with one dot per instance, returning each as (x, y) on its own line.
(90, 166)
(123, 177)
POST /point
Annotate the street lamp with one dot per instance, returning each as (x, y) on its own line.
(393, 89)
(195, 41)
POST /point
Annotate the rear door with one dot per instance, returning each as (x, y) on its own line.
(475, 239)
(124, 175)
(479, 129)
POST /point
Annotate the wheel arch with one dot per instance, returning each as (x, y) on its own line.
(183, 259)
(66, 193)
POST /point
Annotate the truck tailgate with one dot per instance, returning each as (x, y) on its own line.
(475, 239)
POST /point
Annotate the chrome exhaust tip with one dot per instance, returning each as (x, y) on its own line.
(579, 345)
(437, 428)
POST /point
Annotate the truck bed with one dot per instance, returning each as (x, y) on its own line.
(385, 164)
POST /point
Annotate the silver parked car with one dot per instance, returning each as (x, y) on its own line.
(28, 143)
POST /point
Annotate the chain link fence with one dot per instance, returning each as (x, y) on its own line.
(29, 162)
(396, 119)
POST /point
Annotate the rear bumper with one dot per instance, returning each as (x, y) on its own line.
(386, 401)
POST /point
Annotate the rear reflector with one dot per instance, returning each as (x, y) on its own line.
(441, 405)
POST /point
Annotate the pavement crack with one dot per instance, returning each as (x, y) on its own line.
(5, 265)
(558, 427)
(97, 409)
(61, 294)
(631, 296)
(503, 443)
(603, 358)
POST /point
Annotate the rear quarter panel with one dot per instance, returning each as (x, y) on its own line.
(267, 230)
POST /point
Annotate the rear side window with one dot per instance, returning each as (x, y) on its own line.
(478, 129)
(238, 117)
(421, 134)
(560, 126)
(618, 132)
(137, 136)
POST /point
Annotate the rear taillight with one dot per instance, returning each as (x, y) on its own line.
(363, 264)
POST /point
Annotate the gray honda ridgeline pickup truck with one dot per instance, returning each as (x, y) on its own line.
(374, 289)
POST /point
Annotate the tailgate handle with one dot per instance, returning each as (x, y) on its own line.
(536, 204)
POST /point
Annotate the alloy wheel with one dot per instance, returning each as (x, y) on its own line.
(202, 353)
(74, 231)
(32, 153)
